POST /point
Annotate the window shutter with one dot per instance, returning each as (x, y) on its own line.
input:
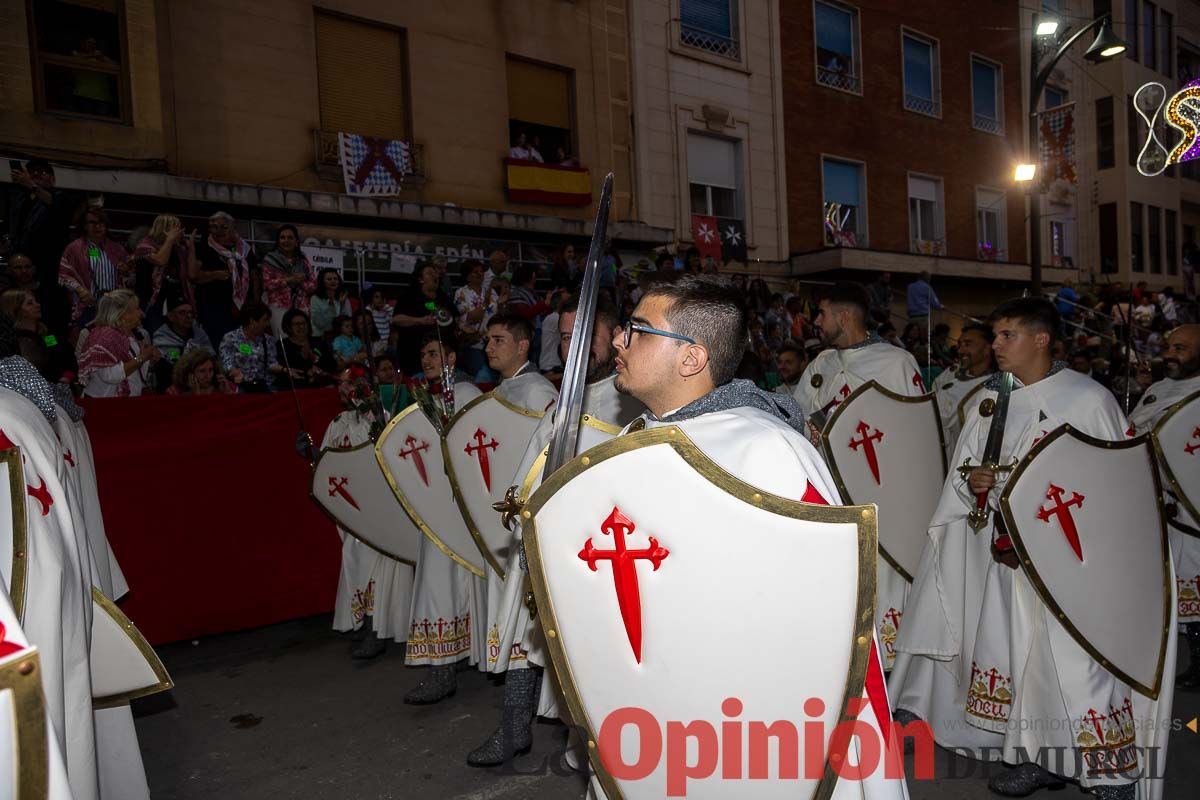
(360, 77)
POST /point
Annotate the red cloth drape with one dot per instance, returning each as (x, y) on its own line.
(206, 506)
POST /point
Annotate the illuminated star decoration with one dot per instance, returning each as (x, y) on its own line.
(706, 233)
(1182, 112)
(733, 235)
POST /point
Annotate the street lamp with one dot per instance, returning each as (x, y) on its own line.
(1106, 46)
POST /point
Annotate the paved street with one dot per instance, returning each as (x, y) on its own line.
(282, 712)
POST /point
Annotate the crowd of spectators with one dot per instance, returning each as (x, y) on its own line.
(183, 312)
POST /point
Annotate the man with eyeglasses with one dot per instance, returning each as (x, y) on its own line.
(179, 334)
(521, 651)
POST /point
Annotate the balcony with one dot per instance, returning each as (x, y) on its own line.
(923, 105)
(839, 79)
(712, 43)
(928, 247)
(328, 162)
(988, 125)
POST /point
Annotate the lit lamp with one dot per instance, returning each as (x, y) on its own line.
(1025, 172)
(1047, 27)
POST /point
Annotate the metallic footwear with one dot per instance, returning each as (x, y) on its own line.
(1125, 792)
(442, 682)
(514, 737)
(371, 645)
(903, 718)
(1189, 679)
(1023, 780)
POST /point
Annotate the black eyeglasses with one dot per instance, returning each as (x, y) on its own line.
(633, 326)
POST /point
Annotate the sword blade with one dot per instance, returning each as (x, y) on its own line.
(565, 433)
(995, 439)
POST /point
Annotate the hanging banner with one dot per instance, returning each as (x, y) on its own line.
(1057, 145)
(373, 166)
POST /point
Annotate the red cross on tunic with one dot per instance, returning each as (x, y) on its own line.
(1095, 719)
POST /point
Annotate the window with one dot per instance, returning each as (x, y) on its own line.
(711, 26)
(713, 176)
(1167, 46)
(1061, 250)
(1106, 148)
(1149, 34)
(1131, 29)
(361, 77)
(925, 219)
(986, 96)
(1154, 222)
(990, 225)
(1187, 63)
(921, 78)
(1109, 247)
(1135, 238)
(79, 58)
(541, 105)
(1172, 243)
(837, 47)
(845, 210)
(1053, 98)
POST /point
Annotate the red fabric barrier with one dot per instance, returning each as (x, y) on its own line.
(206, 506)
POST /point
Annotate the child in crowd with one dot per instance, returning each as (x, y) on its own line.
(348, 348)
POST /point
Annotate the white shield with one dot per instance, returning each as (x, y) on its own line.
(483, 448)
(1176, 440)
(24, 756)
(13, 541)
(124, 665)
(1086, 518)
(410, 453)
(350, 487)
(885, 448)
(592, 433)
(700, 606)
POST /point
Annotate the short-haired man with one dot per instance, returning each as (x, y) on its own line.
(509, 337)
(1005, 631)
(792, 361)
(521, 648)
(1181, 360)
(856, 355)
(179, 334)
(248, 353)
(442, 589)
(975, 364)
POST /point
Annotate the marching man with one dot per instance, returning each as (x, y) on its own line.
(975, 365)
(1182, 362)
(981, 647)
(443, 589)
(856, 356)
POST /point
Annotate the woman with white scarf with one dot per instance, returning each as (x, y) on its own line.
(223, 274)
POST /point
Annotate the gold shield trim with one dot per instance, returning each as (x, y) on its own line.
(458, 498)
(827, 449)
(1192, 505)
(416, 518)
(23, 678)
(1036, 579)
(341, 523)
(965, 403)
(20, 529)
(863, 517)
(126, 625)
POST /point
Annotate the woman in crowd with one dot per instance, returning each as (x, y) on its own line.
(111, 364)
(331, 300)
(34, 342)
(224, 273)
(92, 265)
(564, 270)
(473, 313)
(197, 373)
(309, 361)
(364, 329)
(162, 262)
(288, 277)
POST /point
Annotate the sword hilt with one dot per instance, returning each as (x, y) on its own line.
(978, 517)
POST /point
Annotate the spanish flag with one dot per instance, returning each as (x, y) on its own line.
(548, 184)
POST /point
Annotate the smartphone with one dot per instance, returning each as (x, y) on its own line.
(14, 165)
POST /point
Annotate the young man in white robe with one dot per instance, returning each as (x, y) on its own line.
(443, 589)
(678, 356)
(517, 639)
(975, 364)
(855, 356)
(973, 613)
(1182, 362)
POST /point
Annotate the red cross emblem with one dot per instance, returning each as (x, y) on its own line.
(842, 394)
(624, 567)
(480, 451)
(868, 445)
(893, 616)
(1191, 449)
(414, 450)
(1095, 719)
(41, 494)
(7, 648)
(337, 486)
(1062, 512)
(377, 154)
(917, 382)
(69, 457)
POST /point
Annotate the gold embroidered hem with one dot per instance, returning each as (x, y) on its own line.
(989, 699)
(1106, 741)
(889, 629)
(1189, 598)
(516, 654)
(438, 641)
(363, 602)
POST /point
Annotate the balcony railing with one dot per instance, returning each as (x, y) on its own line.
(328, 159)
(988, 125)
(710, 42)
(928, 247)
(922, 105)
(839, 79)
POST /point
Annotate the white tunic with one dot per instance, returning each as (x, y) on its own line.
(829, 380)
(528, 389)
(950, 388)
(1185, 547)
(448, 601)
(982, 659)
